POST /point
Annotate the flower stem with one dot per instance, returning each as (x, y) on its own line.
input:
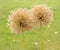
(24, 43)
(42, 39)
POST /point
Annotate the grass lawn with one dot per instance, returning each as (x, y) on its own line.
(31, 39)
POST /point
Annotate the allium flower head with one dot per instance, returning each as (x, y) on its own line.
(42, 13)
(20, 20)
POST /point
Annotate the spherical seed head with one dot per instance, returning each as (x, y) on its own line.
(20, 21)
(43, 14)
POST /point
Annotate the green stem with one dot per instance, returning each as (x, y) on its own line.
(24, 43)
(42, 39)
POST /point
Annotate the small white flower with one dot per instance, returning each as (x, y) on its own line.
(49, 40)
(36, 43)
(56, 32)
(14, 40)
(48, 26)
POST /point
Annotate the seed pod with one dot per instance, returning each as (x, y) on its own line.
(42, 14)
(20, 20)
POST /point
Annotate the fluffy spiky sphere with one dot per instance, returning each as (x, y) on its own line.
(42, 13)
(20, 20)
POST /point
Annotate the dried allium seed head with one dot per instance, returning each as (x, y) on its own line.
(42, 13)
(20, 21)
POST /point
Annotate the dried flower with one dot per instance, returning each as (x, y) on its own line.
(42, 13)
(20, 20)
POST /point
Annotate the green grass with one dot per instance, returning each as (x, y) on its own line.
(7, 38)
